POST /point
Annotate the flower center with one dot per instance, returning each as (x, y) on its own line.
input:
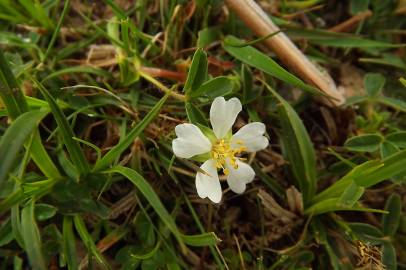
(221, 151)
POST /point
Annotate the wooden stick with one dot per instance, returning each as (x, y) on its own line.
(259, 22)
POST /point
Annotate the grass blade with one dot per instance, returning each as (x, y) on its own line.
(116, 151)
(14, 138)
(149, 193)
(252, 57)
(80, 70)
(16, 104)
(10, 92)
(69, 244)
(32, 238)
(88, 241)
(298, 148)
(76, 154)
(57, 29)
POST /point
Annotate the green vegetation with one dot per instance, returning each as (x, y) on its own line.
(91, 92)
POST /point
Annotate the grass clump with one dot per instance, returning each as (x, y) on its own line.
(91, 94)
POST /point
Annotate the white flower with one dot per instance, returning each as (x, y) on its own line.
(221, 149)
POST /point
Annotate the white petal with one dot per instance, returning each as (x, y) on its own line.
(238, 178)
(223, 114)
(190, 142)
(208, 185)
(250, 136)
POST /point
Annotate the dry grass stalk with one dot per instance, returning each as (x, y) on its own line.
(256, 19)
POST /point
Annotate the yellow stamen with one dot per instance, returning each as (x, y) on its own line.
(221, 151)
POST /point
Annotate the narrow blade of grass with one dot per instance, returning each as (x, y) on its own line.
(252, 57)
(69, 244)
(14, 138)
(88, 241)
(76, 154)
(116, 151)
(16, 104)
(32, 239)
(298, 148)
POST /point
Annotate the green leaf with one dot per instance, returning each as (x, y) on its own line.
(197, 73)
(57, 29)
(321, 237)
(14, 138)
(118, 149)
(201, 240)
(247, 83)
(338, 187)
(367, 233)
(207, 36)
(37, 12)
(32, 238)
(373, 83)
(213, 88)
(69, 244)
(6, 233)
(397, 138)
(338, 40)
(73, 147)
(333, 205)
(364, 143)
(390, 221)
(351, 195)
(387, 149)
(16, 104)
(148, 192)
(194, 114)
(252, 57)
(80, 70)
(388, 60)
(396, 104)
(88, 241)
(357, 6)
(10, 93)
(298, 148)
(125, 258)
(389, 256)
(44, 211)
(391, 166)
